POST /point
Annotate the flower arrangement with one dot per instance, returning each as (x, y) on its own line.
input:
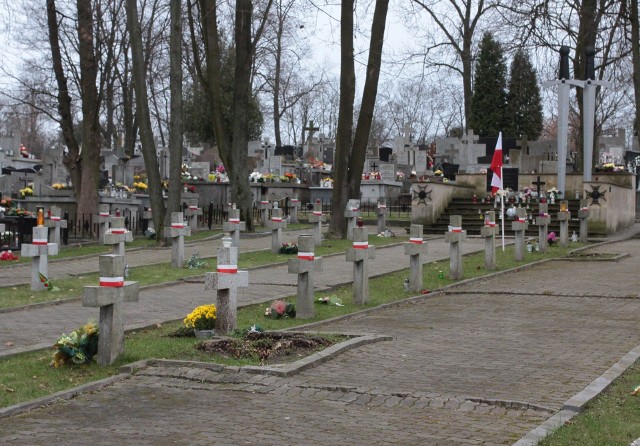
(331, 300)
(552, 238)
(255, 177)
(26, 192)
(195, 262)
(211, 176)
(7, 203)
(288, 248)
(140, 186)
(220, 168)
(280, 309)
(18, 212)
(268, 177)
(290, 176)
(438, 173)
(202, 318)
(399, 175)
(78, 347)
(60, 186)
(7, 256)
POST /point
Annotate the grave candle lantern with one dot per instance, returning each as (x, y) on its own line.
(563, 206)
(40, 220)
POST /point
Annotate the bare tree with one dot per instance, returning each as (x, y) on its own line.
(176, 124)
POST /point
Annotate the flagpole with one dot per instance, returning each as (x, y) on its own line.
(502, 207)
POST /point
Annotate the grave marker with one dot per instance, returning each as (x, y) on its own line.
(147, 216)
(294, 205)
(55, 223)
(583, 216)
(454, 236)
(264, 206)
(177, 232)
(317, 218)
(519, 226)
(234, 226)
(542, 221)
(110, 297)
(305, 265)
(351, 213)
(416, 249)
(40, 250)
(191, 213)
(489, 232)
(226, 281)
(360, 254)
(382, 212)
(276, 225)
(117, 235)
(103, 220)
(563, 217)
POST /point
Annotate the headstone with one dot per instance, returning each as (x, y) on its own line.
(226, 281)
(305, 265)
(176, 232)
(382, 211)
(39, 250)
(110, 297)
(360, 254)
(192, 212)
(276, 225)
(351, 213)
(563, 217)
(294, 206)
(317, 218)
(233, 226)
(542, 221)
(147, 216)
(387, 171)
(489, 232)
(519, 225)
(117, 235)
(416, 249)
(103, 219)
(454, 236)
(583, 217)
(200, 169)
(55, 223)
(264, 206)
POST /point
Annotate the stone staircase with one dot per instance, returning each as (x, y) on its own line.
(473, 217)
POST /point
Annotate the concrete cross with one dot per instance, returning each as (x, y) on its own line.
(311, 129)
(563, 217)
(489, 232)
(305, 265)
(110, 297)
(117, 235)
(294, 206)
(542, 221)
(55, 223)
(39, 250)
(454, 236)
(103, 219)
(192, 212)
(519, 226)
(406, 135)
(583, 216)
(416, 249)
(226, 281)
(351, 213)
(276, 225)
(233, 226)
(360, 254)
(264, 206)
(317, 218)
(382, 211)
(147, 215)
(176, 232)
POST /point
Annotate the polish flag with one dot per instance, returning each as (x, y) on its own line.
(496, 167)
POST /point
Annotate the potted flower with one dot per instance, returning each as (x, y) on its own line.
(280, 309)
(202, 320)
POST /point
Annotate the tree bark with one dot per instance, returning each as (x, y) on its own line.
(175, 120)
(635, 58)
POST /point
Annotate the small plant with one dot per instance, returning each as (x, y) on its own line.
(26, 192)
(78, 347)
(288, 248)
(195, 262)
(280, 309)
(202, 318)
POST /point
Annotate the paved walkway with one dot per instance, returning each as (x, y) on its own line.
(482, 364)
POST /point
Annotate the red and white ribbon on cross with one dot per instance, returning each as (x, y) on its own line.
(360, 245)
(39, 241)
(295, 200)
(235, 221)
(522, 220)
(264, 202)
(585, 208)
(492, 224)
(103, 214)
(455, 229)
(118, 230)
(382, 206)
(416, 240)
(193, 208)
(178, 225)
(112, 281)
(306, 255)
(227, 269)
(318, 213)
(54, 218)
(276, 219)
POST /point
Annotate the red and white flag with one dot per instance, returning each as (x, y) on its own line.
(496, 167)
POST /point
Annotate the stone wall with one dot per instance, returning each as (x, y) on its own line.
(429, 200)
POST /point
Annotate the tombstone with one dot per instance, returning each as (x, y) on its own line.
(305, 266)
(147, 217)
(294, 205)
(110, 297)
(226, 281)
(542, 221)
(519, 226)
(200, 169)
(450, 170)
(563, 217)
(177, 231)
(454, 236)
(388, 171)
(55, 223)
(583, 217)
(191, 213)
(317, 218)
(382, 211)
(360, 254)
(421, 162)
(489, 232)
(234, 226)
(276, 225)
(351, 213)
(264, 206)
(40, 250)
(103, 220)
(416, 249)
(117, 235)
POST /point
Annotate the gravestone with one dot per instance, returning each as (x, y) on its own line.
(416, 249)
(351, 213)
(583, 217)
(110, 297)
(509, 178)
(200, 169)
(519, 225)
(359, 254)
(563, 217)
(454, 236)
(294, 206)
(103, 219)
(55, 223)
(192, 212)
(117, 235)
(276, 225)
(387, 171)
(39, 250)
(489, 232)
(264, 206)
(233, 226)
(317, 218)
(147, 217)
(226, 281)
(305, 265)
(176, 232)
(542, 221)
(382, 211)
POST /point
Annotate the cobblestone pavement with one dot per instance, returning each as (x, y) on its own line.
(482, 364)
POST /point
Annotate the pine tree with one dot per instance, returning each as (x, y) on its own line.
(488, 106)
(524, 107)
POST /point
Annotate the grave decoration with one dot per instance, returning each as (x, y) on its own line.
(280, 309)
(382, 211)
(202, 320)
(39, 250)
(78, 347)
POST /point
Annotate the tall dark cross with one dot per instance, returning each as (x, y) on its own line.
(374, 166)
(311, 129)
(538, 184)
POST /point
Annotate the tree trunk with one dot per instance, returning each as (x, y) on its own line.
(276, 86)
(144, 121)
(175, 120)
(635, 57)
